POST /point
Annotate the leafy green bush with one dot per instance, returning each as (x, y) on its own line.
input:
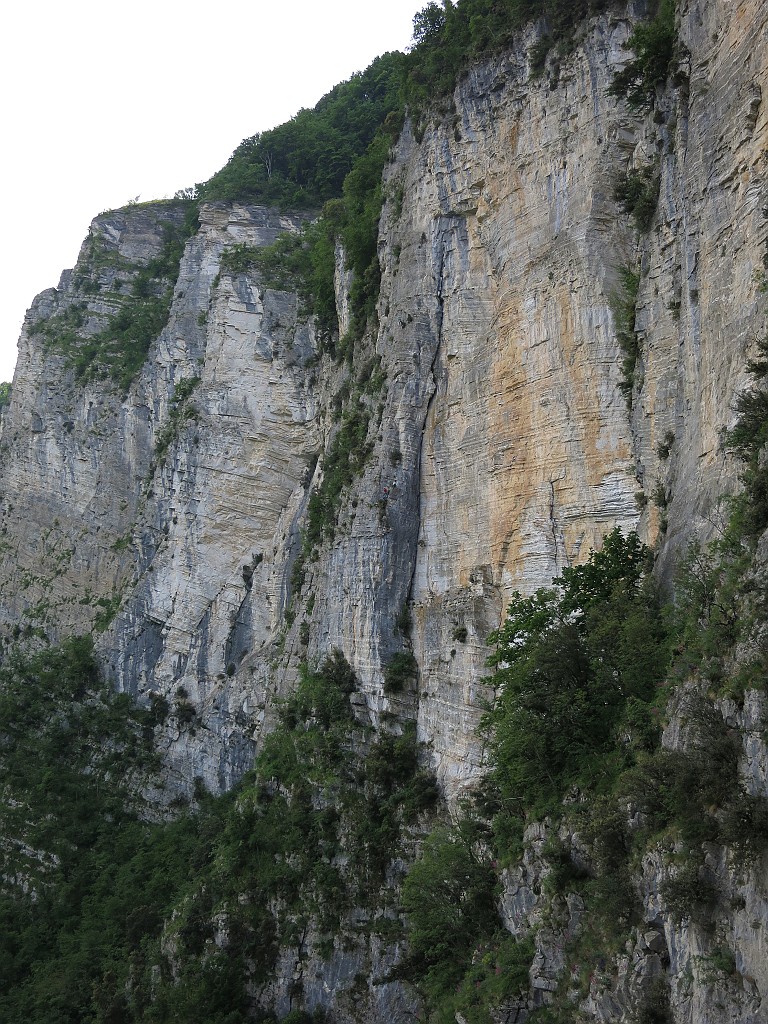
(498, 975)
(448, 896)
(392, 791)
(748, 439)
(624, 306)
(654, 45)
(568, 663)
(400, 671)
(687, 893)
(108, 609)
(713, 593)
(664, 447)
(654, 1006)
(684, 789)
(637, 192)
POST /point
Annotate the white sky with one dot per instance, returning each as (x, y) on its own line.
(102, 102)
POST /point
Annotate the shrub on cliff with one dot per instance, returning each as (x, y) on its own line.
(748, 440)
(344, 458)
(571, 661)
(654, 45)
(637, 192)
(400, 671)
(118, 350)
(624, 308)
(447, 38)
(448, 896)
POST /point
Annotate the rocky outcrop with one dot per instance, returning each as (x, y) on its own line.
(163, 515)
(169, 516)
(74, 455)
(691, 949)
(526, 456)
(221, 503)
(701, 303)
(502, 436)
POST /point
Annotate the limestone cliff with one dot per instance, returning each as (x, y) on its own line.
(169, 516)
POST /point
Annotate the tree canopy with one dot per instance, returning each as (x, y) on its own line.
(303, 163)
(571, 661)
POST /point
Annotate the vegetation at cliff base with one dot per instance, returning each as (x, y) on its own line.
(586, 673)
(575, 666)
(111, 918)
(460, 958)
(85, 880)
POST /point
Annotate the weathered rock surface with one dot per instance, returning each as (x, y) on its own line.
(526, 453)
(702, 302)
(503, 448)
(112, 501)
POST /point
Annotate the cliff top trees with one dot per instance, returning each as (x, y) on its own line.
(303, 163)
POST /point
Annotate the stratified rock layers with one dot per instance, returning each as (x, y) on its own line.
(503, 447)
(505, 438)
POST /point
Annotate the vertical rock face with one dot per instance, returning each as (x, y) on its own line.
(74, 457)
(160, 513)
(503, 448)
(701, 303)
(169, 516)
(221, 501)
(526, 456)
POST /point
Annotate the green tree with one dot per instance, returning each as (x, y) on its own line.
(654, 45)
(570, 662)
(449, 897)
(748, 439)
(303, 163)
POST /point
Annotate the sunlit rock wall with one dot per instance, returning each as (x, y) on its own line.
(502, 444)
